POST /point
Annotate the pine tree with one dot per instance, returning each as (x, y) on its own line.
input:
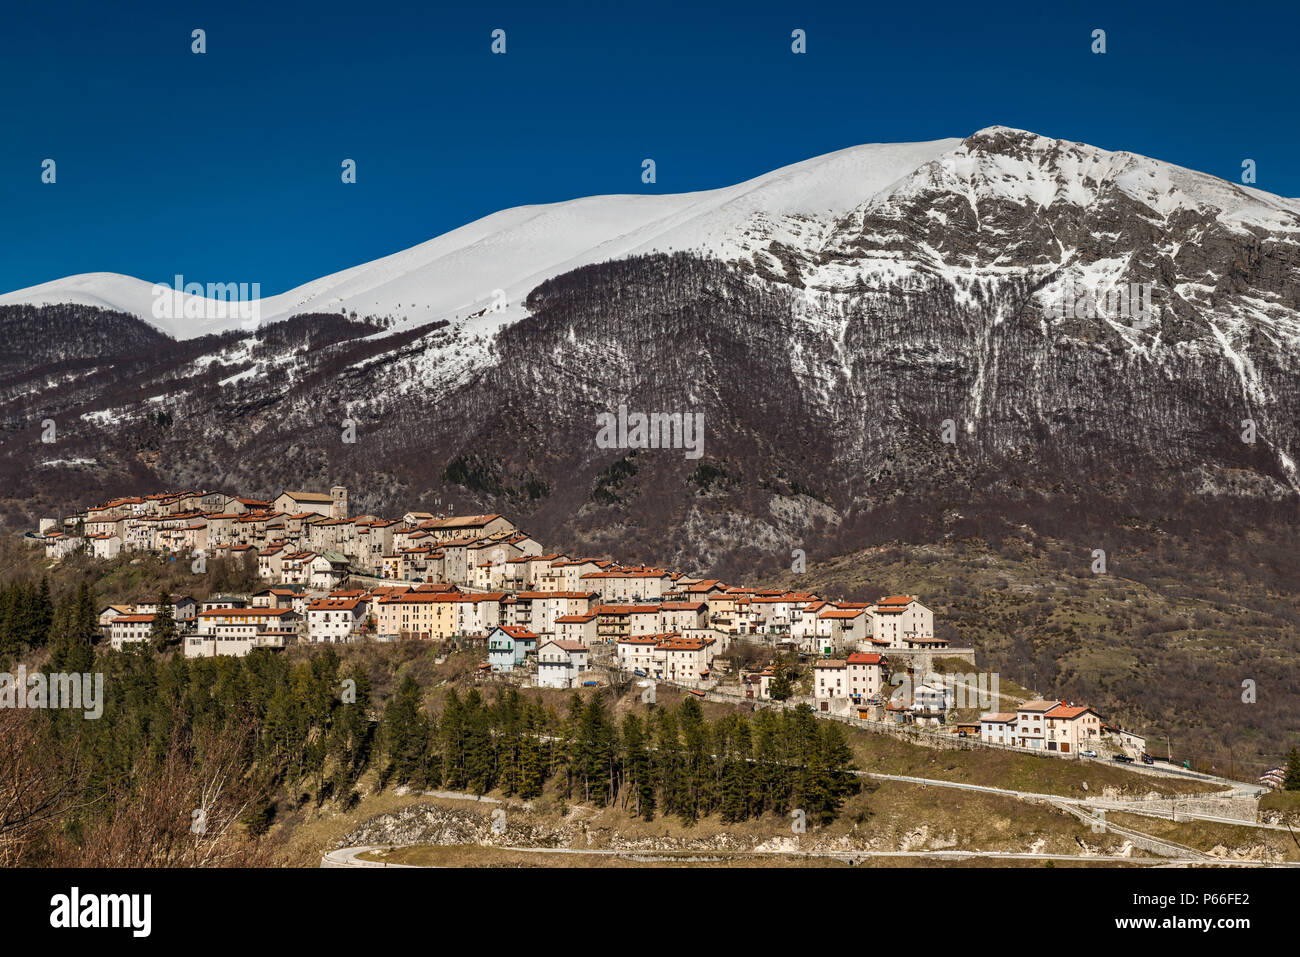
(670, 765)
(532, 759)
(406, 733)
(1291, 779)
(510, 741)
(70, 636)
(479, 757)
(451, 735)
(10, 644)
(351, 736)
(637, 764)
(43, 614)
(698, 773)
(163, 630)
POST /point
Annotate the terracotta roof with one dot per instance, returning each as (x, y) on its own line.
(642, 639)
(1069, 712)
(860, 658)
(334, 604)
(677, 643)
(514, 631)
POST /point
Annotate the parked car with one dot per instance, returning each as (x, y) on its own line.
(1088, 754)
(1122, 758)
(639, 673)
(1147, 759)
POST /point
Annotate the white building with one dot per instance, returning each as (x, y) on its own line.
(901, 620)
(129, 628)
(105, 546)
(335, 620)
(560, 664)
(831, 678)
(580, 628)
(637, 652)
(1031, 724)
(998, 728)
(865, 673)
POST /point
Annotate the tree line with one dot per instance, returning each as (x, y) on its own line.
(671, 761)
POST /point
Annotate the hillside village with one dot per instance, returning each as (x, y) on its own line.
(543, 618)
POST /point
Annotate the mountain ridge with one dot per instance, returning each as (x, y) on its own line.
(459, 277)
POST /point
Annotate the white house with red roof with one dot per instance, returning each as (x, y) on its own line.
(901, 620)
(576, 628)
(867, 673)
(509, 647)
(1031, 724)
(129, 628)
(336, 620)
(637, 652)
(1071, 728)
(840, 627)
(681, 615)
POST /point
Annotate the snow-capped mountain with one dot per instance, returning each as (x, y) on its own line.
(458, 274)
(885, 327)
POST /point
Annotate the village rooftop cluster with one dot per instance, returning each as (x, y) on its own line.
(556, 620)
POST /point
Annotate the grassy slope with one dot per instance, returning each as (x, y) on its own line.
(1166, 654)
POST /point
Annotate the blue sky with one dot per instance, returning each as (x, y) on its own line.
(226, 166)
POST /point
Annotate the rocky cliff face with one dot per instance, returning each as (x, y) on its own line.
(931, 348)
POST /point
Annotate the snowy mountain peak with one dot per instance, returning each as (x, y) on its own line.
(477, 276)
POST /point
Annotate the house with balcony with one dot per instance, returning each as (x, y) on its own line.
(509, 647)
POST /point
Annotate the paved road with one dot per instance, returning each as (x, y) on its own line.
(347, 856)
(1145, 808)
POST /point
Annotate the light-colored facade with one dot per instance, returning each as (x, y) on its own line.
(561, 664)
(128, 629)
(509, 646)
(336, 620)
(998, 728)
(1071, 729)
(1031, 724)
